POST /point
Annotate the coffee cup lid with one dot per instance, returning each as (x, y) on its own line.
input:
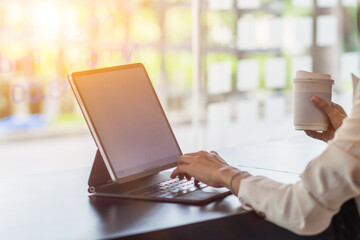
(300, 74)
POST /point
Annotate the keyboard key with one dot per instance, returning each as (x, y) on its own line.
(174, 190)
(169, 188)
(162, 195)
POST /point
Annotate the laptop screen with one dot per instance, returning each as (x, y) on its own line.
(128, 119)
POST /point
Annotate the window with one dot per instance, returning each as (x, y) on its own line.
(247, 53)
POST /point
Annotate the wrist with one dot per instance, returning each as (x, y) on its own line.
(231, 177)
(225, 175)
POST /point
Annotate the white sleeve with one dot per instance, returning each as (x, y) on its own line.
(328, 181)
(290, 206)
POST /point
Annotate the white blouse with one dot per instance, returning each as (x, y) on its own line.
(328, 181)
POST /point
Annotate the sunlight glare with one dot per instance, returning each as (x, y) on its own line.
(46, 19)
(14, 12)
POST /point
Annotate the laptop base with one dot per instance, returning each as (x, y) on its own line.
(100, 184)
(200, 197)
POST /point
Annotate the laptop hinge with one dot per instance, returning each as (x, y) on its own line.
(99, 175)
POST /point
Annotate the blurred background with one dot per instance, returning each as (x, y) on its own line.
(222, 68)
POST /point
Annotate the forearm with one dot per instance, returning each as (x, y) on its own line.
(288, 205)
(307, 207)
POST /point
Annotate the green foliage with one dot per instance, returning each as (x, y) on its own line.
(152, 62)
(221, 25)
(178, 25)
(178, 67)
(351, 42)
(67, 118)
(290, 10)
(144, 26)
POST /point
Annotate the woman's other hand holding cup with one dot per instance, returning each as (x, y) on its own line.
(335, 113)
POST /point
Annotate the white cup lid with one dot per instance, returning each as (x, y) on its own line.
(309, 75)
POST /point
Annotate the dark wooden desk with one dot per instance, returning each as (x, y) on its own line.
(57, 206)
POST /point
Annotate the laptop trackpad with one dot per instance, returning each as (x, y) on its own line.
(205, 194)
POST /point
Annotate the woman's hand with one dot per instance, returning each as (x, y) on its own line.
(336, 115)
(208, 168)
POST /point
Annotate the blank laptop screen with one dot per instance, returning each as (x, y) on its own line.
(128, 119)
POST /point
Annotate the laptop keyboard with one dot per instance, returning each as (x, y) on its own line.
(169, 189)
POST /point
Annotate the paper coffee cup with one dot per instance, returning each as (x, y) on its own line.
(305, 86)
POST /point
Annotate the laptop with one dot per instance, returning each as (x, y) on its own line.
(136, 146)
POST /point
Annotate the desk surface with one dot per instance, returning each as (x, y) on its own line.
(57, 206)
